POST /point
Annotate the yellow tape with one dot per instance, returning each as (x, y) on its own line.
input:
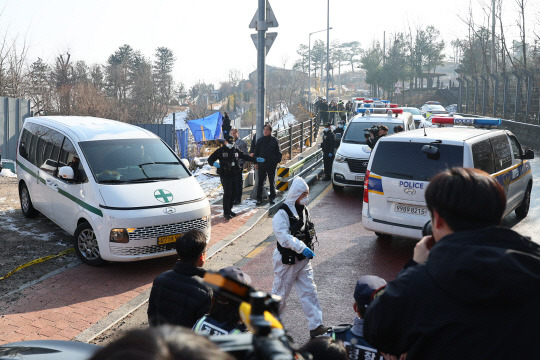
(37, 261)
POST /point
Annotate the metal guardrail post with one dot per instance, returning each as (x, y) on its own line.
(518, 91)
(310, 131)
(290, 141)
(495, 93)
(484, 93)
(505, 93)
(301, 137)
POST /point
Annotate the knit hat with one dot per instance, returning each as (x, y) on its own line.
(235, 273)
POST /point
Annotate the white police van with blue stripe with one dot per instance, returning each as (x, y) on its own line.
(118, 188)
(402, 165)
(352, 156)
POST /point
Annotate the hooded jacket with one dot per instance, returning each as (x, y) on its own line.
(476, 297)
(281, 222)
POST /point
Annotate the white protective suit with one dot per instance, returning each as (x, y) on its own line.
(299, 274)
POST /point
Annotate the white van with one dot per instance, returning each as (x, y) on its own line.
(402, 165)
(118, 188)
(351, 160)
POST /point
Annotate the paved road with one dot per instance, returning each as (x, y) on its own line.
(345, 251)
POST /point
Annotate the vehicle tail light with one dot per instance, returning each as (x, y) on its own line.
(366, 187)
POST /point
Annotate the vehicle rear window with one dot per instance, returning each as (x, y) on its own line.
(407, 161)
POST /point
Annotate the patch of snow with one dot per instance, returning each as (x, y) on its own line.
(7, 173)
(180, 118)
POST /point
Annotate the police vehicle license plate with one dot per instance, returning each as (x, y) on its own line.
(414, 210)
(359, 178)
(168, 239)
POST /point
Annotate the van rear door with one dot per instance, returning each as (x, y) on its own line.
(401, 172)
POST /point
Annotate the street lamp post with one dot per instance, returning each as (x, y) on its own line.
(309, 61)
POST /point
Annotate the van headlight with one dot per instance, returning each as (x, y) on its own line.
(340, 158)
(119, 236)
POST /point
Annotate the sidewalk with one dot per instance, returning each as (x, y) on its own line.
(83, 301)
(76, 302)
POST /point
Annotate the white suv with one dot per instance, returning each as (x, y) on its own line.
(350, 162)
(402, 165)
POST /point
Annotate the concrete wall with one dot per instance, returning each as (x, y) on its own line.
(527, 134)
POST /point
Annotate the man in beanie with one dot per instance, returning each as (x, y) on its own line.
(472, 289)
(224, 318)
(367, 288)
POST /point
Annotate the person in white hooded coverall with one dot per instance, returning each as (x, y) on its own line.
(299, 274)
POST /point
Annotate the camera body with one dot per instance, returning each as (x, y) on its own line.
(373, 130)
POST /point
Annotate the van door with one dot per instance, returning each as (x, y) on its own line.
(71, 194)
(44, 150)
(504, 171)
(518, 184)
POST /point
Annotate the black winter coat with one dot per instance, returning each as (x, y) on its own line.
(476, 297)
(179, 297)
(267, 147)
(229, 160)
(328, 142)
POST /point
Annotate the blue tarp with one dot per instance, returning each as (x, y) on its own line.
(208, 128)
(183, 139)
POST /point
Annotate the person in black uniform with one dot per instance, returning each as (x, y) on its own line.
(371, 139)
(267, 147)
(226, 125)
(228, 168)
(328, 145)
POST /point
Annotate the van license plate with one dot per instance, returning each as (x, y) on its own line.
(359, 178)
(414, 210)
(168, 239)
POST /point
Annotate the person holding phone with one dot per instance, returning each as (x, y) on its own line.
(471, 290)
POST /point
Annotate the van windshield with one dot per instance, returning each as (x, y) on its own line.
(356, 130)
(132, 160)
(402, 160)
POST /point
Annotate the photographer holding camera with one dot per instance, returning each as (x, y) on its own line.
(374, 134)
(471, 291)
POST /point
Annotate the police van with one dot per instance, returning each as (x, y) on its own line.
(402, 165)
(120, 191)
(351, 159)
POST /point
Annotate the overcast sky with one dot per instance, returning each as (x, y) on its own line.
(211, 37)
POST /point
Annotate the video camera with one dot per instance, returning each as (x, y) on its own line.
(259, 312)
(374, 130)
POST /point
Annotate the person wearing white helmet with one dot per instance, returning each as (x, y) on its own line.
(294, 234)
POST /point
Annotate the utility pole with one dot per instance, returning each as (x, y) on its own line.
(327, 47)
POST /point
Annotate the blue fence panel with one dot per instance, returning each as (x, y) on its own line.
(13, 112)
(164, 131)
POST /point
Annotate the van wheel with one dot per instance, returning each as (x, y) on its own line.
(337, 188)
(523, 209)
(86, 245)
(383, 236)
(27, 208)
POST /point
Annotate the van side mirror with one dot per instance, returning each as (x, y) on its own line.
(432, 152)
(338, 137)
(66, 173)
(529, 154)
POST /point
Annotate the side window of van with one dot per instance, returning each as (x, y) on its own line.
(52, 142)
(516, 148)
(69, 157)
(23, 145)
(503, 154)
(483, 158)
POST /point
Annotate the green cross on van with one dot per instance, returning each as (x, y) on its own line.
(164, 196)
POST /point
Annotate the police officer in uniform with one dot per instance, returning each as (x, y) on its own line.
(294, 234)
(352, 335)
(228, 168)
(328, 147)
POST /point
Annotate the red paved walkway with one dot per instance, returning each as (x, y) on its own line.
(63, 306)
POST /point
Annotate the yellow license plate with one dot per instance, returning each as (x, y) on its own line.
(168, 239)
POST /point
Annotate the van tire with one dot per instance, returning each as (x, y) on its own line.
(27, 208)
(337, 188)
(86, 245)
(383, 236)
(523, 209)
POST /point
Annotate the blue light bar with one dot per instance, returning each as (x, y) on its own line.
(362, 110)
(386, 101)
(478, 121)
